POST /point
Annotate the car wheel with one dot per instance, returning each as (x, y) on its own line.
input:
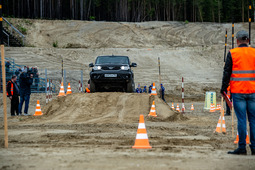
(130, 87)
(92, 86)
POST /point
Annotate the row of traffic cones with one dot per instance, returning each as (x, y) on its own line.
(62, 90)
(222, 129)
(213, 109)
(38, 111)
(183, 107)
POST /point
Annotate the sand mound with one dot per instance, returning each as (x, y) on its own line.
(103, 108)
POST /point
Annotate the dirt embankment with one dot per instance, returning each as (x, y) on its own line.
(104, 108)
(86, 34)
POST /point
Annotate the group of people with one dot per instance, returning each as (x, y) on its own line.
(144, 90)
(18, 94)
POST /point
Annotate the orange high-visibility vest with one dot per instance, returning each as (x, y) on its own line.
(87, 90)
(243, 70)
(11, 88)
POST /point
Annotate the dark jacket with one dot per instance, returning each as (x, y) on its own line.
(228, 71)
(15, 89)
(25, 83)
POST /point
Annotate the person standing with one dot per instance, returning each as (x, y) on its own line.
(162, 92)
(239, 70)
(144, 89)
(13, 94)
(26, 80)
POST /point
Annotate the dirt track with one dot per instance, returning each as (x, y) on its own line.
(97, 131)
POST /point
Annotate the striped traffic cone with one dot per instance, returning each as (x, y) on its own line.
(62, 90)
(69, 90)
(218, 128)
(192, 107)
(212, 108)
(247, 138)
(142, 141)
(153, 91)
(173, 106)
(153, 110)
(38, 111)
(178, 108)
(218, 107)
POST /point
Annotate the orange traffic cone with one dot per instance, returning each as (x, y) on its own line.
(247, 138)
(142, 141)
(177, 108)
(212, 108)
(69, 90)
(173, 106)
(192, 107)
(217, 108)
(153, 90)
(38, 111)
(153, 110)
(62, 91)
(219, 126)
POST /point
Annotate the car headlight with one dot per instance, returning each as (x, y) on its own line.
(124, 67)
(97, 67)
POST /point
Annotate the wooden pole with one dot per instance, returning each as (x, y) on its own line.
(225, 51)
(4, 80)
(233, 112)
(250, 23)
(62, 70)
(233, 32)
(159, 71)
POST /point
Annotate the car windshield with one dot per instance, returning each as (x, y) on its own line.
(112, 60)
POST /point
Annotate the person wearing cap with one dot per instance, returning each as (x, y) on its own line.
(162, 92)
(239, 71)
(26, 80)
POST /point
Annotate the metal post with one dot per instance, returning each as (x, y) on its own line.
(183, 107)
(233, 32)
(47, 91)
(81, 80)
(4, 80)
(65, 80)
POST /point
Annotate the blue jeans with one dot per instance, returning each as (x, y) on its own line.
(23, 98)
(245, 103)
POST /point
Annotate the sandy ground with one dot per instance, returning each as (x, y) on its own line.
(97, 131)
(71, 140)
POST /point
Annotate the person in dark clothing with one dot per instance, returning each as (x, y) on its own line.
(144, 89)
(18, 72)
(239, 71)
(150, 88)
(26, 80)
(7, 66)
(7, 69)
(162, 92)
(13, 94)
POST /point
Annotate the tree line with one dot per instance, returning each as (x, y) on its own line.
(131, 10)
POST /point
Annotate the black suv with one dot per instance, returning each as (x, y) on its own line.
(112, 73)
